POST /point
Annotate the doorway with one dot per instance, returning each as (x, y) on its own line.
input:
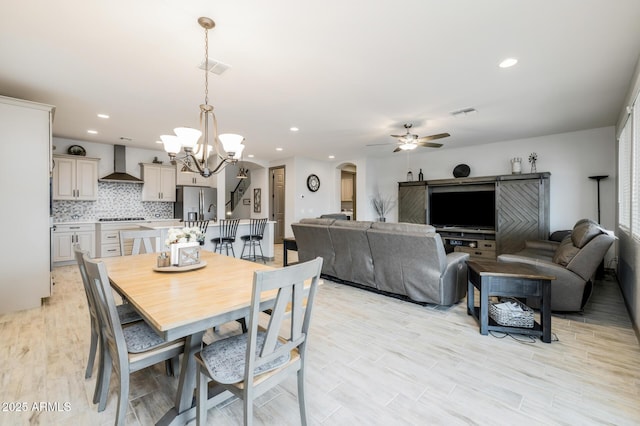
(277, 204)
(348, 190)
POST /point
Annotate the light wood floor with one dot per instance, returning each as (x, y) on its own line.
(373, 360)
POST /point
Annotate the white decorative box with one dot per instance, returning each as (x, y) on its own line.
(185, 254)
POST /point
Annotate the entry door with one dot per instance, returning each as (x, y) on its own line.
(276, 206)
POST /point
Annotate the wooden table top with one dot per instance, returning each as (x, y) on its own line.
(171, 301)
(508, 269)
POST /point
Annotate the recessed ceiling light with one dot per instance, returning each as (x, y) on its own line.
(250, 155)
(160, 142)
(93, 132)
(103, 115)
(332, 156)
(293, 129)
(509, 62)
(278, 149)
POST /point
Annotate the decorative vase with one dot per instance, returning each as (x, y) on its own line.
(175, 251)
(420, 176)
(409, 176)
(382, 219)
(516, 165)
(533, 167)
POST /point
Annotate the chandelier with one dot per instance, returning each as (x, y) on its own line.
(225, 148)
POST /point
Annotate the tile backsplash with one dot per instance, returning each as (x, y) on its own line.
(114, 200)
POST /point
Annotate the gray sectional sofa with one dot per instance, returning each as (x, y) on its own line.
(401, 259)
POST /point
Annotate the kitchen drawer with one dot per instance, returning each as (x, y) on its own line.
(58, 227)
(110, 237)
(110, 250)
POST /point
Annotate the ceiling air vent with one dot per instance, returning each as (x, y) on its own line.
(215, 67)
(463, 112)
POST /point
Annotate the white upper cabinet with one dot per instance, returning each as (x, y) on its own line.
(193, 179)
(159, 183)
(75, 178)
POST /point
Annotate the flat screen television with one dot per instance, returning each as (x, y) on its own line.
(463, 209)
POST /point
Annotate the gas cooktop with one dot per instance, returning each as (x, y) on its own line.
(119, 219)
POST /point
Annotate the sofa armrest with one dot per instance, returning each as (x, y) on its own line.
(455, 257)
(454, 278)
(546, 267)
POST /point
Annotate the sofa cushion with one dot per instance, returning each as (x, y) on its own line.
(403, 227)
(584, 232)
(565, 252)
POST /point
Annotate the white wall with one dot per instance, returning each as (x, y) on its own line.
(570, 157)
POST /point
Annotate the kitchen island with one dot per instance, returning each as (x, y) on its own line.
(213, 231)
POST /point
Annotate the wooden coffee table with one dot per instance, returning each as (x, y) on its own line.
(493, 278)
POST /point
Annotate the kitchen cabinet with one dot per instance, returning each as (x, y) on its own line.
(194, 179)
(75, 178)
(159, 182)
(64, 236)
(25, 132)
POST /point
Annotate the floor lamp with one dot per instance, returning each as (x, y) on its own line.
(600, 270)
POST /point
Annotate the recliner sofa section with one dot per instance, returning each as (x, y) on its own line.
(403, 259)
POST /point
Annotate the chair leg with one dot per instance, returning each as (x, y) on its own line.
(261, 253)
(201, 397)
(301, 399)
(232, 252)
(242, 253)
(92, 350)
(123, 398)
(248, 407)
(103, 393)
(99, 378)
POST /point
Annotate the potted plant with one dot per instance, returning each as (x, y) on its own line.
(382, 205)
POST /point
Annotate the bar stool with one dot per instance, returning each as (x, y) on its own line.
(228, 229)
(254, 238)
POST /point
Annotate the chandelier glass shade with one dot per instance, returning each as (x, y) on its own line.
(225, 149)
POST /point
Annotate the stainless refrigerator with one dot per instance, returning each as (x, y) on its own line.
(195, 203)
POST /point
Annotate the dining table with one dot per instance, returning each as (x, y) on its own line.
(183, 302)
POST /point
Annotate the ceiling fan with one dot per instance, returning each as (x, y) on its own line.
(410, 141)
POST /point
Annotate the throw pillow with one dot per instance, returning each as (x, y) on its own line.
(584, 232)
(565, 252)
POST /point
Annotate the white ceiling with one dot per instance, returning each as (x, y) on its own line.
(346, 72)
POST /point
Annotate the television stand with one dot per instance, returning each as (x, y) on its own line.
(479, 243)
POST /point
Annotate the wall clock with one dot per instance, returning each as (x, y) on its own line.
(313, 183)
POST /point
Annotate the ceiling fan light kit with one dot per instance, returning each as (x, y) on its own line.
(410, 141)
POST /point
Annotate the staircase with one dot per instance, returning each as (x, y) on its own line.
(237, 194)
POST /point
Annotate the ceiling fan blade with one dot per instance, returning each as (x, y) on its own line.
(397, 149)
(380, 144)
(399, 136)
(433, 137)
(429, 144)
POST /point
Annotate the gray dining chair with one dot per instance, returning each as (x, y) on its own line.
(147, 238)
(128, 348)
(254, 239)
(126, 315)
(251, 363)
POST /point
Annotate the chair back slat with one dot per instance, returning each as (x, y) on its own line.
(149, 238)
(290, 285)
(228, 228)
(201, 224)
(256, 227)
(106, 307)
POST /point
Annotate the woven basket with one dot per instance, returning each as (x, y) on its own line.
(523, 319)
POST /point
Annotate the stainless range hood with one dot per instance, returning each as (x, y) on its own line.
(120, 168)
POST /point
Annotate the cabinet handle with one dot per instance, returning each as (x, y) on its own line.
(74, 227)
(112, 250)
(111, 237)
